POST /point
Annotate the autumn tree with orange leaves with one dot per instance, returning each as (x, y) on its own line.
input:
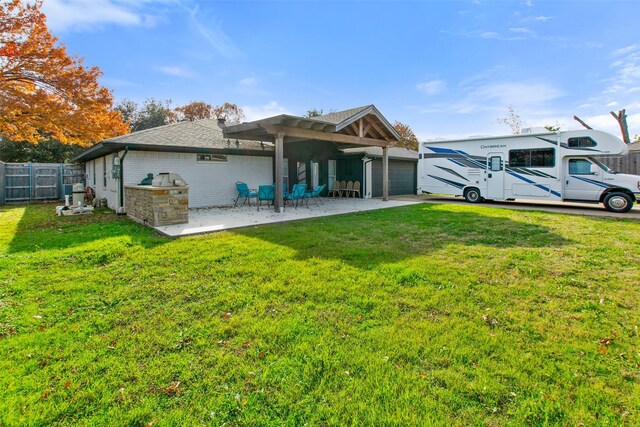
(197, 110)
(45, 93)
(408, 139)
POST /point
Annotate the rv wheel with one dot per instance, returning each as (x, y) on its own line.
(472, 195)
(618, 202)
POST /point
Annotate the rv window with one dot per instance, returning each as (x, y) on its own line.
(495, 163)
(579, 167)
(533, 158)
(582, 141)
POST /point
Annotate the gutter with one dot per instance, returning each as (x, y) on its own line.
(121, 208)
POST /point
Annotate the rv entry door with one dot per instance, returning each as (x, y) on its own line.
(495, 176)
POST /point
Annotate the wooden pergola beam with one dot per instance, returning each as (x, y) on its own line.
(323, 136)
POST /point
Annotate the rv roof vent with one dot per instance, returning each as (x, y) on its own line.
(534, 130)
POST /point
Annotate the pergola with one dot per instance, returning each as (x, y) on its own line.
(363, 126)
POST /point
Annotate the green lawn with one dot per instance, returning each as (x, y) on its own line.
(421, 315)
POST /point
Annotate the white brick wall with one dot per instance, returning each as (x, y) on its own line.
(108, 192)
(210, 183)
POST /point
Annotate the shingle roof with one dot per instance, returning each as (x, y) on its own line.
(634, 146)
(340, 116)
(197, 136)
(204, 133)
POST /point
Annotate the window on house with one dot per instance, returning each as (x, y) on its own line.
(211, 157)
(533, 158)
(94, 173)
(581, 141)
(104, 171)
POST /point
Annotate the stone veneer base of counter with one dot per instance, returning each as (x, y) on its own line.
(157, 206)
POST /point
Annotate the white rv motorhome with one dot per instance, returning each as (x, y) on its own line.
(560, 166)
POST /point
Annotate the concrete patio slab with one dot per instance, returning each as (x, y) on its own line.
(225, 218)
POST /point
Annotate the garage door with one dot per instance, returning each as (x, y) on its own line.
(402, 177)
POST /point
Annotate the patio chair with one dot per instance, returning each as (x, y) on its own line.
(243, 191)
(348, 189)
(343, 187)
(356, 189)
(266, 193)
(335, 189)
(314, 195)
(297, 195)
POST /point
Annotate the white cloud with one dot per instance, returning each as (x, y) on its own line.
(176, 71)
(612, 104)
(248, 81)
(213, 34)
(489, 35)
(542, 18)
(521, 30)
(625, 50)
(432, 87)
(626, 70)
(256, 112)
(82, 15)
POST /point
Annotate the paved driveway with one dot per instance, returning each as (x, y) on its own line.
(566, 208)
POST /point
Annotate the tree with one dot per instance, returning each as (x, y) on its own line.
(151, 114)
(313, 112)
(553, 128)
(49, 151)
(408, 139)
(44, 92)
(621, 118)
(230, 112)
(512, 120)
(197, 110)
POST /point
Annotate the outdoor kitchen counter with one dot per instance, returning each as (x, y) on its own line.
(157, 205)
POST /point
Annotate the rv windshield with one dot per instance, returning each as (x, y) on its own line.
(602, 165)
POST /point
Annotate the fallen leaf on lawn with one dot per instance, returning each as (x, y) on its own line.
(226, 316)
(606, 341)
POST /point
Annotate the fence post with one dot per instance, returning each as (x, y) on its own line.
(31, 186)
(2, 188)
(61, 181)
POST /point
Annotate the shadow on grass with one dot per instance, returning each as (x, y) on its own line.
(369, 238)
(39, 228)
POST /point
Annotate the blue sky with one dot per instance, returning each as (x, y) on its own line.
(446, 68)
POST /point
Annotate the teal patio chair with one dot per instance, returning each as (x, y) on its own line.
(297, 195)
(243, 191)
(266, 193)
(315, 195)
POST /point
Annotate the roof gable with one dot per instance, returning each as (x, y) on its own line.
(368, 118)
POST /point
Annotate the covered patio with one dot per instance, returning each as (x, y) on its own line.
(209, 220)
(298, 140)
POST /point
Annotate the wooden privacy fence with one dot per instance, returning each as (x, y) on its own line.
(624, 164)
(32, 182)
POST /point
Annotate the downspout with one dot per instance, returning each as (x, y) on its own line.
(120, 210)
(365, 162)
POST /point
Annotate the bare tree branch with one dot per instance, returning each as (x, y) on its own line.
(621, 118)
(576, 118)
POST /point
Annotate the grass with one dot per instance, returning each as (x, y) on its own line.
(421, 315)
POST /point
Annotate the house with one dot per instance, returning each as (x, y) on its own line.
(211, 156)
